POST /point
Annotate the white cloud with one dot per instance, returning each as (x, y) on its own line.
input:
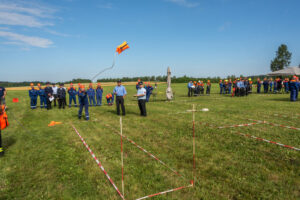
(21, 20)
(28, 40)
(184, 3)
(106, 6)
(30, 15)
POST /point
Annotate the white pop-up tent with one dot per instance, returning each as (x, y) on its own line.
(289, 71)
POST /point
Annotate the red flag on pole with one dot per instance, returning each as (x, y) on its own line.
(15, 100)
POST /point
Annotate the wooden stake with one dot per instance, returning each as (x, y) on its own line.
(121, 135)
(194, 145)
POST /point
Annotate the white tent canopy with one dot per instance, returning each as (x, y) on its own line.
(289, 71)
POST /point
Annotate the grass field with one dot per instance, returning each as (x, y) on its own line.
(44, 162)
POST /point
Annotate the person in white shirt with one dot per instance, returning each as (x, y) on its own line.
(54, 88)
(141, 96)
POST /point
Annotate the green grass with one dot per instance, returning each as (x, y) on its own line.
(44, 162)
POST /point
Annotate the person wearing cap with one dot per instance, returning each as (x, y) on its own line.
(91, 94)
(33, 94)
(54, 89)
(72, 95)
(120, 93)
(2, 96)
(99, 93)
(61, 94)
(48, 94)
(41, 93)
(142, 96)
(83, 102)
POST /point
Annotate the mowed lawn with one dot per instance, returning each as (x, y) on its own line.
(44, 162)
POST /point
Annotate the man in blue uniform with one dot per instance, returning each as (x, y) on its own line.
(2, 96)
(72, 95)
(120, 93)
(41, 93)
(33, 94)
(48, 93)
(221, 87)
(149, 90)
(91, 94)
(293, 89)
(258, 85)
(266, 85)
(99, 93)
(83, 102)
(229, 86)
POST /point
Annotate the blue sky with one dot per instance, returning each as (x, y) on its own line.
(59, 40)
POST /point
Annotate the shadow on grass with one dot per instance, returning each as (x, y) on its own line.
(9, 141)
(282, 99)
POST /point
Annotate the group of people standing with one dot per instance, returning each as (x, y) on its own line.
(56, 94)
(197, 88)
(279, 85)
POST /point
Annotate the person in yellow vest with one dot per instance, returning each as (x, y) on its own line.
(3, 125)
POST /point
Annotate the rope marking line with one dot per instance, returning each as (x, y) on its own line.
(164, 192)
(268, 141)
(230, 126)
(150, 154)
(278, 125)
(98, 163)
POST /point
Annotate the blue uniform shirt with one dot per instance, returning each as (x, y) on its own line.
(33, 93)
(41, 92)
(91, 92)
(120, 91)
(72, 91)
(190, 85)
(2, 90)
(99, 91)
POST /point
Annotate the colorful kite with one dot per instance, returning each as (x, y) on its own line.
(119, 50)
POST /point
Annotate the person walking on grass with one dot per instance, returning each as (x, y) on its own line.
(120, 93)
(141, 96)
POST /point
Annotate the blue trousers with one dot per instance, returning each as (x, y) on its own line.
(92, 100)
(99, 100)
(86, 110)
(148, 97)
(33, 102)
(258, 89)
(221, 90)
(294, 95)
(43, 102)
(229, 90)
(72, 98)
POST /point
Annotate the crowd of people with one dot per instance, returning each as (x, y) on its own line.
(86, 97)
(243, 86)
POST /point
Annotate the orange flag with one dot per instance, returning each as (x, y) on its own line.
(53, 123)
(122, 47)
(15, 100)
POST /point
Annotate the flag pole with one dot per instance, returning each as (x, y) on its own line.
(194, 149)
(121, 131)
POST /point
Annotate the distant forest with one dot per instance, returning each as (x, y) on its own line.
(183, 79)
